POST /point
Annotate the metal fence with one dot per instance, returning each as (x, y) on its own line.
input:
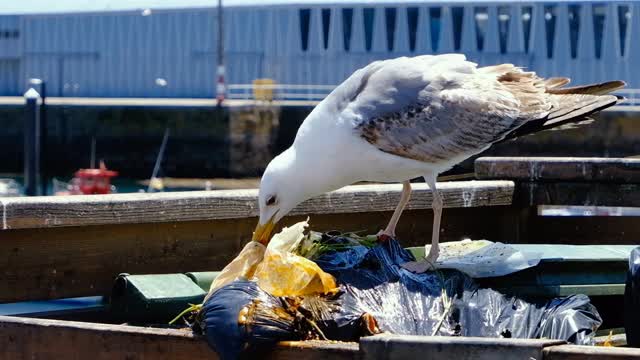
(318, 92)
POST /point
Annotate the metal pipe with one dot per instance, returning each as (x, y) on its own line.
(41, 87)
(93, 153)
(220, 85)
(156, 167)
(32, 143)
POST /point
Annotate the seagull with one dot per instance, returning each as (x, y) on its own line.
(410, 117)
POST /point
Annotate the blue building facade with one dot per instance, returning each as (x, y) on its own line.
(171, 52)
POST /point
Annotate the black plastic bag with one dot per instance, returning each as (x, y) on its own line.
(241, 317)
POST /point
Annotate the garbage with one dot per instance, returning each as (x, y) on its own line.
(241, 317)
(483, 258)
(242, 267)
(283, 273)
(414, 304)
(376, 295)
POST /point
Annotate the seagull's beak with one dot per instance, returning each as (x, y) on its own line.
(262, 233)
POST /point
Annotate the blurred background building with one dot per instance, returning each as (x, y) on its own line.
(153, 48)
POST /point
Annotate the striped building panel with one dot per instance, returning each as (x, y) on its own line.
(120, 50)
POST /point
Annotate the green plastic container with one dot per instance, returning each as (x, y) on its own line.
(153, 299)
(203, 278)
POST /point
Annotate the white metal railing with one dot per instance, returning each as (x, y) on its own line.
(632, 97)
(319, 92)
(279, 91)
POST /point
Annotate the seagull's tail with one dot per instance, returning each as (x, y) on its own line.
(573, 107)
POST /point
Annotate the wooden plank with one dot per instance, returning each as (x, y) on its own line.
(577, 193)
(613, 340)
(389, 346)
(61, 262)
(576, 352)
(24, 338)
(619, 170)
(81, 210)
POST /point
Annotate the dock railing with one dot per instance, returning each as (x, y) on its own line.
(280, 91)
(311, 92)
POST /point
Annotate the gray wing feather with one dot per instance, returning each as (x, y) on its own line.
(442, 109)
(435, 108)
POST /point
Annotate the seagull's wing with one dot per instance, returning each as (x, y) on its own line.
(442, 109)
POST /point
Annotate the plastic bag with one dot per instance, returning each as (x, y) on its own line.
(483, 258)
(242, 267)
(241, 317)
(284, 273)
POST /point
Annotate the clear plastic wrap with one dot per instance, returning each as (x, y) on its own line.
(448, 302)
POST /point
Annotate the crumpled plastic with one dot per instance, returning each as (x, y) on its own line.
(483, 258)
(242, 267)
(283, 273)
(240, 317)
(446, 302)
(276, 268)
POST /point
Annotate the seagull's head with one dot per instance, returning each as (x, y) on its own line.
(283, 186)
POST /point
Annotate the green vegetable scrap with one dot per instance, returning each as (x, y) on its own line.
(314, 244)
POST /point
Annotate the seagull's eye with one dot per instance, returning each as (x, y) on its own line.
(271, 200)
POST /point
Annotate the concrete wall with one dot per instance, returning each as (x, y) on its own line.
(241, 141)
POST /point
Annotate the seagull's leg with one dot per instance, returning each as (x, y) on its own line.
(429, 261)
(390, 231)
(436, 205)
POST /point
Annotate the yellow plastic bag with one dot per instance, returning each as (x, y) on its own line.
(243, 266)
(283, 273)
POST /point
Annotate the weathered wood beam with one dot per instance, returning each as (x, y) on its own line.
(389, 346)
(613, 340)
(609, 170)
(566, 181)
(27, 338)
(60, 262)
(82, 210)
(24, 338)
(575, 352)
